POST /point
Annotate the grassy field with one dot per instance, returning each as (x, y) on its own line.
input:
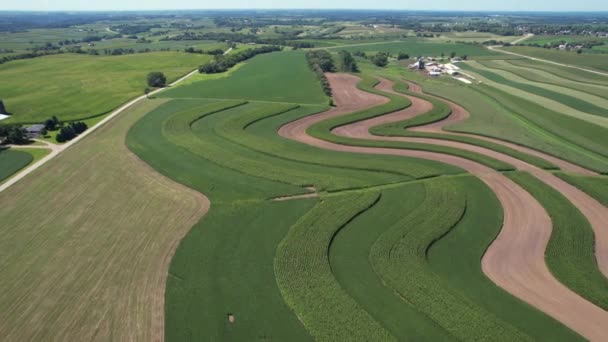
(585, 60)
(417, 47)
(107, 220)
(81, 86)
(12, 161)
(262, 79)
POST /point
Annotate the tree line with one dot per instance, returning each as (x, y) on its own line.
(225, 62)
(321, 61)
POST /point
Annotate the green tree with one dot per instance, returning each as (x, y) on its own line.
(380, 59)
(347, 62)
(51, 124)
(452, 54)
(2, 108)
(403, 56)
(157, 79)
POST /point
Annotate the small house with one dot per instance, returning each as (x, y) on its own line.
(33, 131)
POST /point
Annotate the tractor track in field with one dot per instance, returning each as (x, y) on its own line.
(516, 259)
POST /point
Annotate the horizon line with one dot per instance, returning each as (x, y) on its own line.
(307, 9)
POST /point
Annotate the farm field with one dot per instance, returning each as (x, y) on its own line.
(12, 161)
(291, 191)
(58, 84)
(418, 47)
(594, 61)
(48, 235)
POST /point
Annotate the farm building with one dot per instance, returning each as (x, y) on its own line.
(34, 130)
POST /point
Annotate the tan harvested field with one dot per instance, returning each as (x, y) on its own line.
(515, 261)
(89, 262)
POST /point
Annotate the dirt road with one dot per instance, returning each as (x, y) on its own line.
(515, 261)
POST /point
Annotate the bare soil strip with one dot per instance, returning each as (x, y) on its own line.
(594, 211)
(515, 261)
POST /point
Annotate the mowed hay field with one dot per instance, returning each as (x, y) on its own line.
(73, 86)
(88, 260)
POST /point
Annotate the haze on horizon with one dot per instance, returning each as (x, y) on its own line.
(470, 5)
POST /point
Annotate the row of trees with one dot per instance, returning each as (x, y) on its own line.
(71, 131)
(320, 61)
(12, 134)
(213, 52)
(346, 62)
(225, 62)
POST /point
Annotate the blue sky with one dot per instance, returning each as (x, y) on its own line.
(465, 5)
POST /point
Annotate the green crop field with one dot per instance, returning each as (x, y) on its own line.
(247, 205)
(417, 47)
(12, 161)
(593, 61)
(81, 86)
(570, 251)
(263, 79)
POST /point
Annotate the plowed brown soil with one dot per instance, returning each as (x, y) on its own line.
(515, 261)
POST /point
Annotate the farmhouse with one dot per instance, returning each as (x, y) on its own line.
(34, 130)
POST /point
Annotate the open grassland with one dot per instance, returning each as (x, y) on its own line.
(570, 252)
(263, 78)
(80, 86)
(585, 60)
(418, 47)
(596, 187)
(12, 161)
(97, 254)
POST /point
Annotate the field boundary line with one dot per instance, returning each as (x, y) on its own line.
(495, 48)
(55, 152)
